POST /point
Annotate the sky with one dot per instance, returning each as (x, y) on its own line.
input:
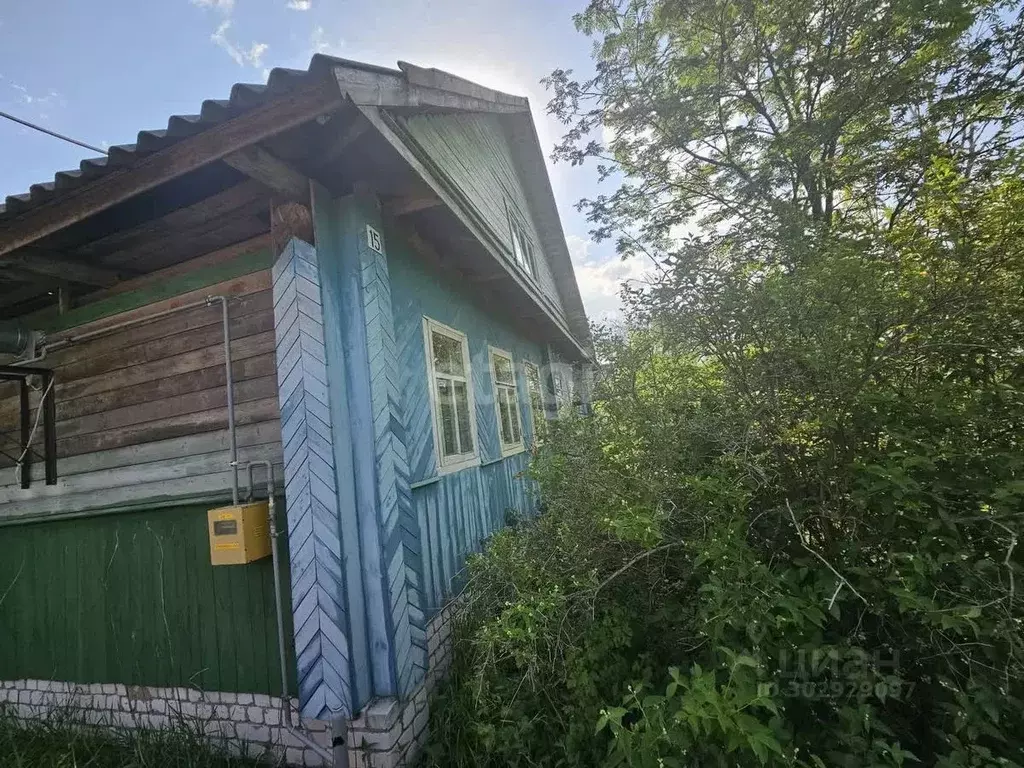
(102, 71)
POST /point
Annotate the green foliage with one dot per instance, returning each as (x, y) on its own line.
(789, 534)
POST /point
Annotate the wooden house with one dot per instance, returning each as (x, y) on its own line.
(353, 275)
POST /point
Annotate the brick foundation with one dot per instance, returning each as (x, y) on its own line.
(388, 733)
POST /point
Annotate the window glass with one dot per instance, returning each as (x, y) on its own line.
(447, 354)
(532, 375)
(465, 428)
(452, 402)
(506, 399)
(522, 247)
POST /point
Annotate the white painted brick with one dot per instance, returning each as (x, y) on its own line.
(245, 698)
(294, 756)
(254, 715)
(256, 733)
(265, 701)
(272, 716)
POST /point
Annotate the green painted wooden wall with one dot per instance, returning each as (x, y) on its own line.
(132, 598)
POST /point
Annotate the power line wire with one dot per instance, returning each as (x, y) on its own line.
(56, 135)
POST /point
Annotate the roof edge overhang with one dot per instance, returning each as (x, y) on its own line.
(290, 98)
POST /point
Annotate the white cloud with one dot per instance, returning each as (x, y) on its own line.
(601, 281)
(224, 6)
(320, 43)
(300, 5)
(253, 56)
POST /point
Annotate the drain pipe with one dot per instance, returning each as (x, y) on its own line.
(286, 701)
(65, 341)
(229, 382)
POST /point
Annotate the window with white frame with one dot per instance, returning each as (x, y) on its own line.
(451, 395)
(536, 399)
(522, 245)
(506, 400)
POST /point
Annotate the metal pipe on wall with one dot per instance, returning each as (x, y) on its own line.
(286, 707)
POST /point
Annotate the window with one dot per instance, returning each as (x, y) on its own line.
(451, 395)
(506, 398)
(522, 246)
(561, 380)
(532, 376)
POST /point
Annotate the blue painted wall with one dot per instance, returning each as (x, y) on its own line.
(460, 510)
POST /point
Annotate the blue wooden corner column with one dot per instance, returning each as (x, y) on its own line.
(319, 604)
(353, 532)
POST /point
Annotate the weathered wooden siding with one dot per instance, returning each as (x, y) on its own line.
(132, 598)
(141, 412)
(473, 151)
(455, 512)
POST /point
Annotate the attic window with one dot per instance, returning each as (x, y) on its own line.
(522, 245)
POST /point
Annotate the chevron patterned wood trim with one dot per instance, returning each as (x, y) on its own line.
(319, 604)
(398, 520)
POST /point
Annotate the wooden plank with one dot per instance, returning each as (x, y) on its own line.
(387, 89)
(250, 346)
(215, 234)
(192, 465)
(407, 205)
(346, 137)
(269, 119)
(174, 426)
(445, 81)
(272, 172)
(154, 391)
(181, 322)
(52, 265)
(220, 257)
(118, 419)
(168, 346)
(178, 491)
(260, 433)
(217, 281)
(160, 389)
(212, 208)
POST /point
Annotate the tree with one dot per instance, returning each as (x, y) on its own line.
(789, 535)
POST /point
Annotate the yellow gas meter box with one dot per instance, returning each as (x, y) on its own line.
(239, 534)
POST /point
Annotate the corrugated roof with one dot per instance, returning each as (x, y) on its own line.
(243, 97)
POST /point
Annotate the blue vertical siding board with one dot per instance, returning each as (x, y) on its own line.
(318, 588)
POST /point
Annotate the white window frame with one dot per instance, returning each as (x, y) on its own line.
(507, 449)
(535, 418)
(517, 226)
(447, 464)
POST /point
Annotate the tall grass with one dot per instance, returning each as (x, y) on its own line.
(64, 740)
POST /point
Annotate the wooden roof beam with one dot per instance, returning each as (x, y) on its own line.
(52, 265)
(274, 173)
(406, 205)
(215, 143)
